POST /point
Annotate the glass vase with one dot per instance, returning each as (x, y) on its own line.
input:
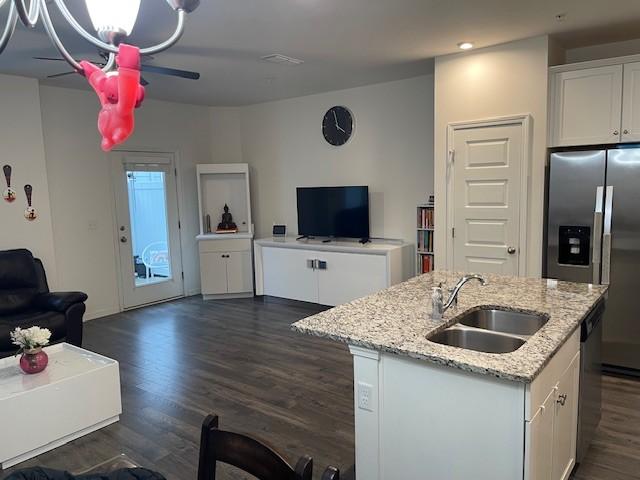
(34, 360)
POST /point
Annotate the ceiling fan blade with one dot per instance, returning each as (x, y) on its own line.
(170, 71)
(50, 58)
(56, 75)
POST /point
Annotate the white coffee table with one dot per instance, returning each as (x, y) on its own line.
(78, 393)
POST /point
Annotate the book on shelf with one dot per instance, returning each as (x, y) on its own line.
(425, 240)
(425, 217)
(427, 263)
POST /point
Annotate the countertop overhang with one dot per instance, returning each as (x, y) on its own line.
(398, 321)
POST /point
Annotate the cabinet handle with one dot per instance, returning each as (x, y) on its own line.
(615, 132)
(625, 131)
(562, 399)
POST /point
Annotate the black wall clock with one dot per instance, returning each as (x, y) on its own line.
(337, 125)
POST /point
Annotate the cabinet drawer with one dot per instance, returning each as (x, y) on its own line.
(231, 245)
(539, 389)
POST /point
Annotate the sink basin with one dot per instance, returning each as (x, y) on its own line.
(479, 340)
(505, 321)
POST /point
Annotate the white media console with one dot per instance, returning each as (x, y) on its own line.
(328, 273)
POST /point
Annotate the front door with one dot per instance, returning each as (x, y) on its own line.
(148, 228)
(485, 198)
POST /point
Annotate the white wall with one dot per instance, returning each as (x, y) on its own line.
(22, 148)
(391, 152)
(82, 201)
(605, 50)
(491, 82)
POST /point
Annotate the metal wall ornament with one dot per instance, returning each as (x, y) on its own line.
(9, 194)
(117, 82)
(30, 213)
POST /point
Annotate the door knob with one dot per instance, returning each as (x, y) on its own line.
(511, 250)
(123, 239)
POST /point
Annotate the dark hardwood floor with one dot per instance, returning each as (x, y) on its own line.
(182, 360)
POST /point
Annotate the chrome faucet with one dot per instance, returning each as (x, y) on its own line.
(438, 304)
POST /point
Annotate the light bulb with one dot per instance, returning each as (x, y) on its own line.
(114, 17)
(465, 45)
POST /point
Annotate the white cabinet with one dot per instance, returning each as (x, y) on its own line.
(595, 103)
(288, 274)
(226, 269)
(498, 429)
(539, 447)
(328, 274)
(344, 276)
(565, 422)
(551, 432)
(631, 104)
(213, 273)
(239, 272)
(586, 106)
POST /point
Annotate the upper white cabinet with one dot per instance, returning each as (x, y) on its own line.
(587, 106)
(631, 104)
(595, 102)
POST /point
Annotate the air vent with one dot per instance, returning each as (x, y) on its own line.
(281, 59)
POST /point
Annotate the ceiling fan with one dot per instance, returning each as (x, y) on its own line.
(174, 72)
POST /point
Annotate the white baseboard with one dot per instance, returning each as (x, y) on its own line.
(102, 312)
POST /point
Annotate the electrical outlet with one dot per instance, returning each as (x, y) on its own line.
(365, 396)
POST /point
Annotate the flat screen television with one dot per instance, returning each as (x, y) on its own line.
(333, 212)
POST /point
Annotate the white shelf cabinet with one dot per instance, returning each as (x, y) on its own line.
(226, 259)
(595, 102)
(328, 274)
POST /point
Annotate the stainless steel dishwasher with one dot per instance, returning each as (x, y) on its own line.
(590, 401)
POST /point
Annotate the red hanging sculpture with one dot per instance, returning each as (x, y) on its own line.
(119, 92)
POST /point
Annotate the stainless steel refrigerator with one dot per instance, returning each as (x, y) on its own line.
(593, 236)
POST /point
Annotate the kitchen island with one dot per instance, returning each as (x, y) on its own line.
(436, 411)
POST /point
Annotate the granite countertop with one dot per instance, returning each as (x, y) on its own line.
(398, 320)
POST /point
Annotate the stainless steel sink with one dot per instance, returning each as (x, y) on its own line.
(505, 321)
(476, 339)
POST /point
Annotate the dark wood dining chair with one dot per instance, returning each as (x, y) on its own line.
(247, 454)
(331, 473)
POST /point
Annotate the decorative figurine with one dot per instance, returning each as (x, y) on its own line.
(30, 213)
(9, 194)
(119, 93)
(207, 221)
(227, 225)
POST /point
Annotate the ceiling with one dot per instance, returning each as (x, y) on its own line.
(344, 43)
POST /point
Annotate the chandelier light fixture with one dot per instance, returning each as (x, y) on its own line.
(117, 82)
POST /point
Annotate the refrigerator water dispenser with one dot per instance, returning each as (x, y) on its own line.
(574, 245)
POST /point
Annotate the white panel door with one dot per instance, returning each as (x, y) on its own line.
(566, 419)
(287, 274)
(539, 441)
(239, 272)
(486, 198)
(348, 276)
(213, 273)
(587, 106)
(631, 103)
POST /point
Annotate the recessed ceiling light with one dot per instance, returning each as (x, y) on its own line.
(465, 45)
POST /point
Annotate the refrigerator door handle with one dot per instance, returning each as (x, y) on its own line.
(597, 235)
(606, 237)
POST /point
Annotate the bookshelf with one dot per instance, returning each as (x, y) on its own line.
(425, 233)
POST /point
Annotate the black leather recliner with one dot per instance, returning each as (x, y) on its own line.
(25, 301)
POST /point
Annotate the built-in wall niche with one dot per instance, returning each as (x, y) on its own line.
(220, 185)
